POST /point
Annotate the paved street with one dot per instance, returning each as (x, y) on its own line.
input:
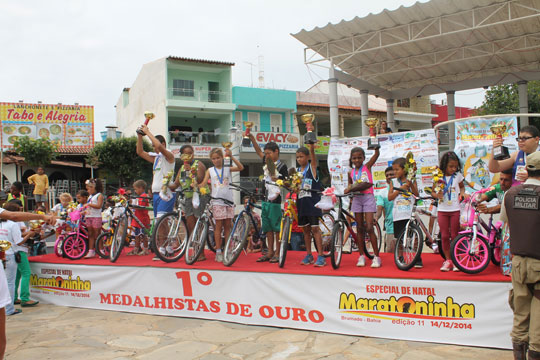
(54, 332)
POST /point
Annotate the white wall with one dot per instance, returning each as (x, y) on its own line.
(148, 93)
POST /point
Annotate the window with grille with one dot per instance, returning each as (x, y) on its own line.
(183, 88)
(256, 119)
(276, 124)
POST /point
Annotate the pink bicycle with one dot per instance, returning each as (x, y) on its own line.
(75, 244)
(472, 249)
(63, 228)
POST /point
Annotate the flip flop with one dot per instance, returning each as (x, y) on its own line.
(274, 260)
(263, 258)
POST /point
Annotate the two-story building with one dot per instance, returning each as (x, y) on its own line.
(272, 113)
(191, 100)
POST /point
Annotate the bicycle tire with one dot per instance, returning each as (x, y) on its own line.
(74, 247)
(103, 244)
(326, 224)
(237, 240)
(336, 249)
(195, 244)
(470, 264)
(368, 249)
(285, 238)
(119, 238)
(495, 250)
(408, 248)
(170, 247)
(58, 246)
(211, 241)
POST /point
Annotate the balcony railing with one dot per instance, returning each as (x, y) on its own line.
(197, 138)
(199, 95)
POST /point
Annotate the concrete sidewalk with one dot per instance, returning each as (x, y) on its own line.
(54, 332)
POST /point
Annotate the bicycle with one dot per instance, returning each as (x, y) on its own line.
(196, 241)
(343, 221)
(290, 214)
(410, 243)
(124, 212)
(63, 228)
(237, 240)
(75, 244)
(170, 234)
(472, 250)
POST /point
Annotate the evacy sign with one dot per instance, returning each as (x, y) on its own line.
(66, 125)
(288, 143)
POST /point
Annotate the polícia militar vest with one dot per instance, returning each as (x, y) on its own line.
(523, 219)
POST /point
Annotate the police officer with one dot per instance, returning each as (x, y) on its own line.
(521, 210)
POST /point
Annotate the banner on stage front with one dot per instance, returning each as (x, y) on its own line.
(422, 143)
(456, 312)
(474, 141)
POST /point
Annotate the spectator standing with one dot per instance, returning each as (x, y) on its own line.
(41, 185)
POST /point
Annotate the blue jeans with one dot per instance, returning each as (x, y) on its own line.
(297, 239)
(11, 274)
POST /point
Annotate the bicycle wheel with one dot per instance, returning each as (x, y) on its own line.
(58, 246)
(237, 240)
(368, 247)
(103, 244)
(195, 244)
(170, 237)
(211, 241)
(470, 261)
(119, 238)
(285, 238)
(336, 247)
(408, 247)
(74, 247)
(326, 224)
(495, 250)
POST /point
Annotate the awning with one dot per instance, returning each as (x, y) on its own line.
(432, 47)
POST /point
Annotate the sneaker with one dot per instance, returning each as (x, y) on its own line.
(376, 263)
(446, 266)
(419, 264)
(361, 261)
(219, 257)
(320, 261)
(91, 254)
(308, 260)
(155, 258)
(456, 269)
(435, 248)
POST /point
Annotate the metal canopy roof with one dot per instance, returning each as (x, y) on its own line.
(432, 47)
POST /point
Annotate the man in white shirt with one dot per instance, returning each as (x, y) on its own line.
(163, 162)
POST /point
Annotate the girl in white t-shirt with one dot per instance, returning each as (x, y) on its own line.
(449, 199)
(220, 177)
(93, 213)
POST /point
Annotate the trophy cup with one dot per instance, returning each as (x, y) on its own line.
(499, 152)
(373, 142)
(309, 137)
(148, 116)
(245, 140)
(186, 158)
(226, 159)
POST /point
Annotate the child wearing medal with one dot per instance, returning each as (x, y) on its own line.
(220, 178)
(364, 205)
(449, 209)
(308, 214)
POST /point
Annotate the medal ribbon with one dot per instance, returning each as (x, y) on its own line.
(217, 174)
(448, 187)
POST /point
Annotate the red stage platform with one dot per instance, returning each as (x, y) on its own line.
(247, 262)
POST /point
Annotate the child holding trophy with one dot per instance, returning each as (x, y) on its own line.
(220, 177)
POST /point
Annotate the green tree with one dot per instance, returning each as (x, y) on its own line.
(504, 99)
(119, 156)
(36, 152)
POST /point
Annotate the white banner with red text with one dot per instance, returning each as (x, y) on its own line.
(465, 313)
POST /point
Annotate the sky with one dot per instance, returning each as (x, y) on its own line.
(88, 51)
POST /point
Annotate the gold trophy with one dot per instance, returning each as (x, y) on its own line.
(310, 137)
(245, 141)
(499, 152)
(226, 159)
(4, 246)
(148, 116)
(186, 158)
(373, 142)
